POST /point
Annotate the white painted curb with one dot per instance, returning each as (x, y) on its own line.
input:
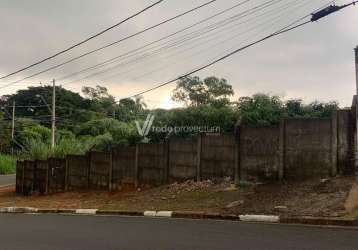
(158, 213)
(164, 214)
(86, 211)
(260, 218)
(18, 210)
(150, 213)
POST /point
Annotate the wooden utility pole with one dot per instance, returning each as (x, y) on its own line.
(53, 127)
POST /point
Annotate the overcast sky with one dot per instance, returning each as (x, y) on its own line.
(315, 62)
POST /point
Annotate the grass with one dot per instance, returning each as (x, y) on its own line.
(7, 164)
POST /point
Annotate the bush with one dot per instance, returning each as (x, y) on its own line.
(39, 150)
(7, 164)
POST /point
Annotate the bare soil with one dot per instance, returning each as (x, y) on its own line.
(351, 204)
(309, 198)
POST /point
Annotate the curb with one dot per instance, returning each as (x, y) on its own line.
(317, 221)
(260, 218)
(322, 221)
(18, 210)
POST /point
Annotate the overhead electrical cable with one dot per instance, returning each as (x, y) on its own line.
(179, 45)
(283, 30)
(82, 42)
(156, 41)
(184, 38)
(205, 49)
(110, 44)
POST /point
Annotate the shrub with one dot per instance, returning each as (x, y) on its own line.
(7, 164)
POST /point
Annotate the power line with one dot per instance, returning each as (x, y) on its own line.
(156, 41)
(82, 42)
(110, 44)
(266, 23)
(179, 44)
(216, 61)
(279, 32)
(28, 106)
(186, 39)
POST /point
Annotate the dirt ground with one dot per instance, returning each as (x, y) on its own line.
(351, 204)
(309, 198)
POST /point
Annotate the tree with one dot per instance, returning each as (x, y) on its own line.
(5, 134)
(101, 100)
(194, 92)
(70, 105)
(265, 110)
(260, 110)
(108, 132)
(295, 108)
(98, 93)
(130, 109)
(205, 116)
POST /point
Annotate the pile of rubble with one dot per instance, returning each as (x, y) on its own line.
(190, 186)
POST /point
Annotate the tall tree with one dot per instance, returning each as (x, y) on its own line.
(131, 109)
(194, 92)
(101, 100)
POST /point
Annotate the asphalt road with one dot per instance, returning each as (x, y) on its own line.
(54, 232)
(6, 180)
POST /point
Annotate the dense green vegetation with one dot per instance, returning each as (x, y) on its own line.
(7, 164)
(94, 121)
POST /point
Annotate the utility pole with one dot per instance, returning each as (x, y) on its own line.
(13, 121)
(53, 129)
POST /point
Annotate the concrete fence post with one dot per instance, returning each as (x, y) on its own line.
(34, 176)
(166, 146)
(136, 167)
(47, 178)
(110, 174)
(89, 159)
(23, 178)
(334, 143)
(237, 174)
(67, 170)
(282, 150)
(198, 159)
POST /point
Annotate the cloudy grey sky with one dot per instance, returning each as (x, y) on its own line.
(315, 62)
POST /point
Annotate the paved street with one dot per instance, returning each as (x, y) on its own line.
(86, 232)
(6, 180)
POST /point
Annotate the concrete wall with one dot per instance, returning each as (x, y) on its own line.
(307, 148)
(100, 165)
(28, 177)
(182, 159)
(217, 158)
(19, 176)
(56, 175)
(259, 153)
(295, 150)
(41, 176)
(345, 142)
(124, 164)
(151, 164)
(77, 172)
